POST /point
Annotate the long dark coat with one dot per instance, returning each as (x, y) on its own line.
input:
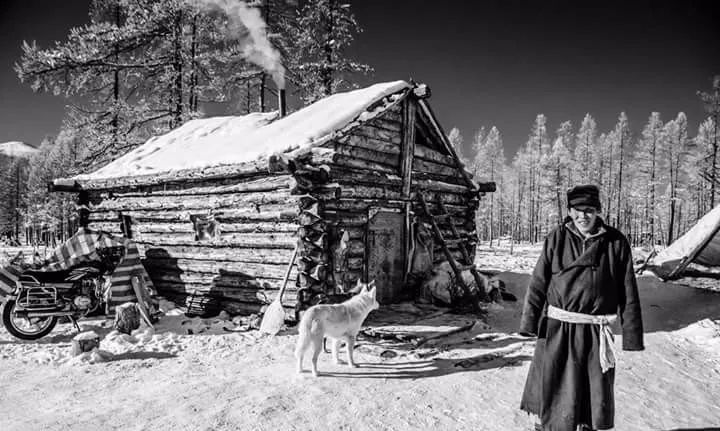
(565, 384)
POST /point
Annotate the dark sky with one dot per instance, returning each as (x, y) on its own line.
(487, 62)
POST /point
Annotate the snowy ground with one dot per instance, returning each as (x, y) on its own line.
(194, 374)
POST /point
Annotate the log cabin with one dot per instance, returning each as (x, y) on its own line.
(219, 205)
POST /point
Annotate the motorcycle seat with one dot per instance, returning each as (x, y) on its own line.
(48, 276)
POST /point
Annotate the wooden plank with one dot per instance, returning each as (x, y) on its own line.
(199, 251)
(379, 134)
(263, 184)
(434, 168)
(408, 146)
(188, 228)
(241, 269)
(433, 155)
(394, 113)
(196, 203)
(387, 159)
(386, 123)
(450, 179)
(235, 241)
(370, 144)
(258, 213)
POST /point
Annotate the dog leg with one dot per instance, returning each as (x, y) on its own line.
(335, 347)
(316, 347)
(350, 345)
(300, 351)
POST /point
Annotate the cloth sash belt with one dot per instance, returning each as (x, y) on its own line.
(607, 348)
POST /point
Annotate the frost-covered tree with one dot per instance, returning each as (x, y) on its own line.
(139, 67)
(488, 165)
(584, 151)
(648, 162)
(622, 139)
(536, 147)
(700, 169)
(560, 164)
(54, 212)
(675, 150)
(456, 141)
(318, 40)
(711, 102)
(13, 180)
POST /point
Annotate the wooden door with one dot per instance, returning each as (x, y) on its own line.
(385, 254)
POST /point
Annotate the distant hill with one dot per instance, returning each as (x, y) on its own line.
(17, 149)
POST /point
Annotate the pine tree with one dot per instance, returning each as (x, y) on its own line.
(488, 165)
(456, 140)
(622, 138)
(584, 151)
(648, 161)
(675, 152)
(138, 68)
(536, 147)
(318, 39)
(711, 101)
(55, 212)
(704, 146)
(560, 163)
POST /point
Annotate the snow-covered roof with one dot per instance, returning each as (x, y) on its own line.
(17, 149)
(227, 141)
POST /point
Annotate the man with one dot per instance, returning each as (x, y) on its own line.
(582, 282)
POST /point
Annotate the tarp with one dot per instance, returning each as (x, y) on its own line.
(697, 252)
(82, 248)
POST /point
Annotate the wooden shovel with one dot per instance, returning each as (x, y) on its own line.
(274, 316)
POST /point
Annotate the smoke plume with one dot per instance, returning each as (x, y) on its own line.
(246, 25)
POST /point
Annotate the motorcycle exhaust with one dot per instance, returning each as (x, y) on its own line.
(46, 314)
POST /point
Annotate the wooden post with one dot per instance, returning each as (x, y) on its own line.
(407, 152)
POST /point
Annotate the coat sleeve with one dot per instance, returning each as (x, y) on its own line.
(537, 291)
(629, 305)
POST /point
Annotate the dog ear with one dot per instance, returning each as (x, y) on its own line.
(373, 291)
(360, 286)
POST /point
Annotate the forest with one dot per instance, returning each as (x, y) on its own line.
(140, 68)
(655, 182)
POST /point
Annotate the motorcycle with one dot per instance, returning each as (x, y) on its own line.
(40, 298)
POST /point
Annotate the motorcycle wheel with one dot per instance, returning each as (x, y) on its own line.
(26, 328)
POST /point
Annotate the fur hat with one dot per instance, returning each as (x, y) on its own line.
(587, 194)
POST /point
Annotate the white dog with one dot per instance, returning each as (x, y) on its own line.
(336, 321)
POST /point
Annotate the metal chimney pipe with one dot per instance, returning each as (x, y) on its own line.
(282, 103)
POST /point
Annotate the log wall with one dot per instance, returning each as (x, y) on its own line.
(241, 268)
(323, 206)
(370, 178)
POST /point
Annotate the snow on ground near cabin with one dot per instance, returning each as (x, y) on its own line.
(195, 374)
(221, 141)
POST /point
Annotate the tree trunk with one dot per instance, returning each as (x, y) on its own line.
(620, 173)
(178, 69)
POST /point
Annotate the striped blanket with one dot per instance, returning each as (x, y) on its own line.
(9, 274)
(82, 248)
